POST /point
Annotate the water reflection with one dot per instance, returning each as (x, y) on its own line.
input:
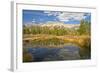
(69, 52)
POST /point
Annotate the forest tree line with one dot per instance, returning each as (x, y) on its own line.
(84, 29)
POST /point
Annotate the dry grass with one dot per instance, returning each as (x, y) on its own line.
(78, 40)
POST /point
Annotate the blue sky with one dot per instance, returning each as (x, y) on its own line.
(40, 17)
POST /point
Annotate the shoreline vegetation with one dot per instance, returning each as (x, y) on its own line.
(57, 37)
(54, 41)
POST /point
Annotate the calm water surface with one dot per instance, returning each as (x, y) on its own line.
(69, 52)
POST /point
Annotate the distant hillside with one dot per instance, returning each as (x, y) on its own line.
(61, 25)
(55, 24)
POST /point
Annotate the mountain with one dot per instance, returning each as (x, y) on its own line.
(55, 24)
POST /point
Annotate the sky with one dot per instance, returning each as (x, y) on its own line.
(41, 17)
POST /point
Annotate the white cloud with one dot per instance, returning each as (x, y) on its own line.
(33, 21)
(54, 13)
(66, 16)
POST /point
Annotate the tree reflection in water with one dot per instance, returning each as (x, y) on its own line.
(68, 52)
